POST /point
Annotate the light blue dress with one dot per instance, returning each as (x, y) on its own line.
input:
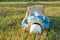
(38, 16)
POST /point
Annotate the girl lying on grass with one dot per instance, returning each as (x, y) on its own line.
(35, 17)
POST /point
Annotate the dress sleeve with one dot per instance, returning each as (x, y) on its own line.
(47, 20)
(24, 22)
(47, 23)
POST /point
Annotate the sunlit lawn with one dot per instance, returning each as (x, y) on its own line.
(11, 16)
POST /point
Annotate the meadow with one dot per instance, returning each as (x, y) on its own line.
(11, 16)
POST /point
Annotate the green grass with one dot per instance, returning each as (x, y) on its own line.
(11, 16)
(25, 0)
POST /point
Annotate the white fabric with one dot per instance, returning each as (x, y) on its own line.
(35, 28)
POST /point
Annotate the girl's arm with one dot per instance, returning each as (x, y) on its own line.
(27, 13)
(24, 22)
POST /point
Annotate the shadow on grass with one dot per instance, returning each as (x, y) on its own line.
(54, 28)
(55, 23)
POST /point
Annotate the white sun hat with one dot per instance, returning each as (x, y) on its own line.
(35, 28)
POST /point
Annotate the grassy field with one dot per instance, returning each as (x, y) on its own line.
(11, 16)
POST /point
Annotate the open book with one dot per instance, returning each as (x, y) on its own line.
(36, 8)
